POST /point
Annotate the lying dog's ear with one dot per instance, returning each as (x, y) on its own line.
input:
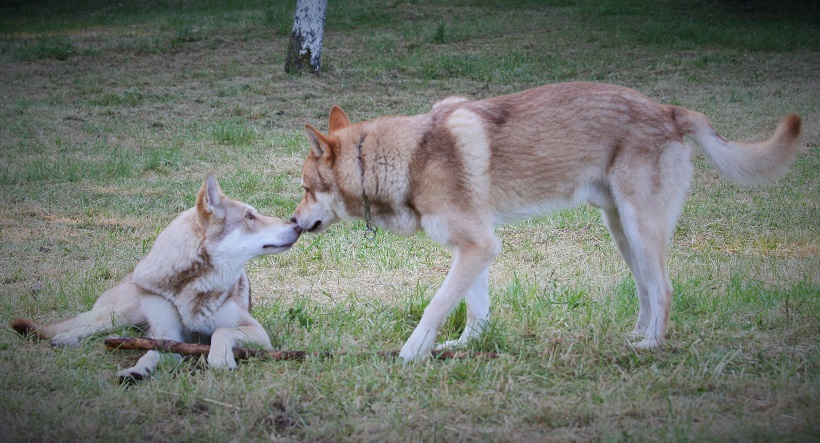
(210, 196)
(338, 120)
(319, 143)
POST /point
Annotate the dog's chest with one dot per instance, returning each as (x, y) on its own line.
(206, 309)
(200, 313)
(400, 221)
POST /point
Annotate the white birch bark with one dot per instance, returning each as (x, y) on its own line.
(305, 48)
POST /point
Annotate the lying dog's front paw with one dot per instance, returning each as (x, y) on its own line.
(220, 360)
(131, 376)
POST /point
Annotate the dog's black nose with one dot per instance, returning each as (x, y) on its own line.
(293, 219)
(298, 229)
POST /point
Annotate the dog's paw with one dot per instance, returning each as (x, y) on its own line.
(647, 343)
(132, 376)
(638, 331)
(451, 344)
(64, 339)
(419, 345)
(221, 360)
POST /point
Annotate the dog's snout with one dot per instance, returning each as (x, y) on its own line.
(300, 228)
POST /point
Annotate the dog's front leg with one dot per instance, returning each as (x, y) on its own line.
(143, 369)
(469, 262)
(163, 324)
(224, 339)
(478, 311)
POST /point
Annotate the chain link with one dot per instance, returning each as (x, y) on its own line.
(370, 229)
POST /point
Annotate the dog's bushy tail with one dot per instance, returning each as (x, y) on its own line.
(28, 328)
(743, 163)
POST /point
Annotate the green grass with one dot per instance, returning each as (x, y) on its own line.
(112, 114)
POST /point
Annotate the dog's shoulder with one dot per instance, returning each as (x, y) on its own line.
(449, 102)
(485, 113)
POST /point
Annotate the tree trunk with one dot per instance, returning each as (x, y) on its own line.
(305, 48)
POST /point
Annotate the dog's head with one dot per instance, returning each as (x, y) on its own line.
(236, 231)
(323, 203)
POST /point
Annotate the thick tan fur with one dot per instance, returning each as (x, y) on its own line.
(466, 167)
(192, 281)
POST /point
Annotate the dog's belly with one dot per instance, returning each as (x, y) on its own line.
(514, 213)
(512, 206)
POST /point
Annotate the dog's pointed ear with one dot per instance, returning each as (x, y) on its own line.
(210, 196)
(320, 144)
(338, 119)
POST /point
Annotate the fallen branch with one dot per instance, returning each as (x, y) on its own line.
(148, 344)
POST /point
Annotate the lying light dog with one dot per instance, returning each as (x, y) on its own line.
(466, 167)
(192, 281)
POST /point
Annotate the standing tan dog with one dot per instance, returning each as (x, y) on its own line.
(192, 281)
(466, 167)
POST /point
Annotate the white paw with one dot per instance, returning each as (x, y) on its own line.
(637, 332)
(451, 344)
(132, 375)
(640, 329)
(221, 360)
(647, 343)
(64, 339)
(419, 344)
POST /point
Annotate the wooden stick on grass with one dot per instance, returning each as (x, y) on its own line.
(147, 344)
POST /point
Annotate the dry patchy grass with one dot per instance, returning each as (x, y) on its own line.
(112, 114)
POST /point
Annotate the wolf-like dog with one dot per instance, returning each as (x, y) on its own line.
(192, 281)
(465, 167)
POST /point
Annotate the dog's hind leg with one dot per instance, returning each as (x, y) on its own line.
(478, 311)
(99, 319)
(612, 219)
(118, 306)
(648, 203)
(645, 240)
(67, 332)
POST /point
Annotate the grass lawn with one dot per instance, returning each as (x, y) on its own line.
(111, 114)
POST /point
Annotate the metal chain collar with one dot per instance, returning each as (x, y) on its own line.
(370, 230)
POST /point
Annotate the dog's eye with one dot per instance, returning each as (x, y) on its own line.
(250, 216)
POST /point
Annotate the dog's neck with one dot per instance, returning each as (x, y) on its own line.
(179, 260)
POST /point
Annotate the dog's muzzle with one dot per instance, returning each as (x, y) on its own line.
(313, 228)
